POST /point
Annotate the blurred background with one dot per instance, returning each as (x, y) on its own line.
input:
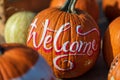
(100, 70)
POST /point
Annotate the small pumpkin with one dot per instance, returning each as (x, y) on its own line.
(111, 9)
(114, 72)
(111, 39)
(19, 62)
(69, 40)
(16, 27)
(12, 6)
(90, 6)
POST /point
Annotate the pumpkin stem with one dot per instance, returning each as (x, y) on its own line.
(69, 6)
(1, 50)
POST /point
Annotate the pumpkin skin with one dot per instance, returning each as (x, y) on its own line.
(12, 6)
(114, 69)
(111, 9)
(19, 62)
(69, 43)
(16, 27)
(90, 6)
(111, 47)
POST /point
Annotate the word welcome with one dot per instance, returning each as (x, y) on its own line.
(76, 48)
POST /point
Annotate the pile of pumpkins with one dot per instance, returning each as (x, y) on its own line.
(49, 39)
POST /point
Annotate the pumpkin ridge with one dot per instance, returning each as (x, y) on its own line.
(54, 28)
(43, 18)
(77, 20)
(3, 70)
(71, 24)
(46, 13)
(13, 62)
(13, 67)
(1, 76)
(49, 17)
(75, 17)
(67, 19)
(60, 42)
(21, 54)
(74, 22)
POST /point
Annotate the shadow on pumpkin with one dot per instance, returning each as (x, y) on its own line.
(107, 48)
(111, 12)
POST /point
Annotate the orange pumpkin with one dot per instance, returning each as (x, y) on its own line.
(18, 62)
(111, 9)
(114, 72)
(111, 46)
(90, 6)
(69, 43)
(11, 6)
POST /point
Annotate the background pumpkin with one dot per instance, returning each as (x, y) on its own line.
(90, 6)
(18, 62)
(12, 6)
(57, 34)
(111, 46)
(16, 27)
(111, 9)
(114, 69)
